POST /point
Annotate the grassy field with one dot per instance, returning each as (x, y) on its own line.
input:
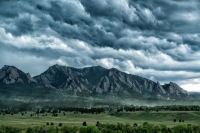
(71, 119)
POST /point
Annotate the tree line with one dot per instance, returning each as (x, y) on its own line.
(98, 110)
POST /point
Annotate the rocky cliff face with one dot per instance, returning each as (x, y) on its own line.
(11, 75)
(99, 80)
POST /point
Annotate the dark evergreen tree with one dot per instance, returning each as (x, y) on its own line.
(84, 123)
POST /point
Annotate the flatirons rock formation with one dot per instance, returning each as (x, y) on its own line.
(11, 75)
(98, 80)
(92, 81)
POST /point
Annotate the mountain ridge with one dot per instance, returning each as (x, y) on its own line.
(94, 80)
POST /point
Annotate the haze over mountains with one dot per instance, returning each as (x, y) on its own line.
(93, 81)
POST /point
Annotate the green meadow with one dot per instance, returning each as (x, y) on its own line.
(76, 119)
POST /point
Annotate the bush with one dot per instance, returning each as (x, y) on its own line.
(30, 130)
(97, 124)
(60, 124)
(9, 129)
(105, 130)
(88, 130)
(180, 129)
(196, 129)
(45, 129)
(67, 129)
(164, 128)
(135, 124)
(84, 123)
(155, 129)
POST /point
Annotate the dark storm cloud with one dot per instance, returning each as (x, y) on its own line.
(157, 39)
(6, 12)
(23, 26)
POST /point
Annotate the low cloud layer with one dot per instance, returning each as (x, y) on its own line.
(157, 39)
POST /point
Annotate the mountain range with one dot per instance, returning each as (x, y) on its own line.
(90, 81)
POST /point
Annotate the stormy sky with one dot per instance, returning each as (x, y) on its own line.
(156, 39)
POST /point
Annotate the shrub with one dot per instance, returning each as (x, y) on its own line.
(68, 129)
(180, 129)
(163, 128)
(9, 129)
(97, 124)
(60, 124)
(88, 130)
(30, 130)
(84, 123)
(135, 124)
(44, 129)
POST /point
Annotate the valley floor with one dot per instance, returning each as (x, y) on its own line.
(71, 119)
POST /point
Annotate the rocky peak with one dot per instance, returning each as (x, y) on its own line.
(30, 79)
(11, 71)
(56, 66)
(54, 73)
(160, 89)
(10, 75)
(93, 68)
(173, 88)
(64, 69)
(114, 69)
